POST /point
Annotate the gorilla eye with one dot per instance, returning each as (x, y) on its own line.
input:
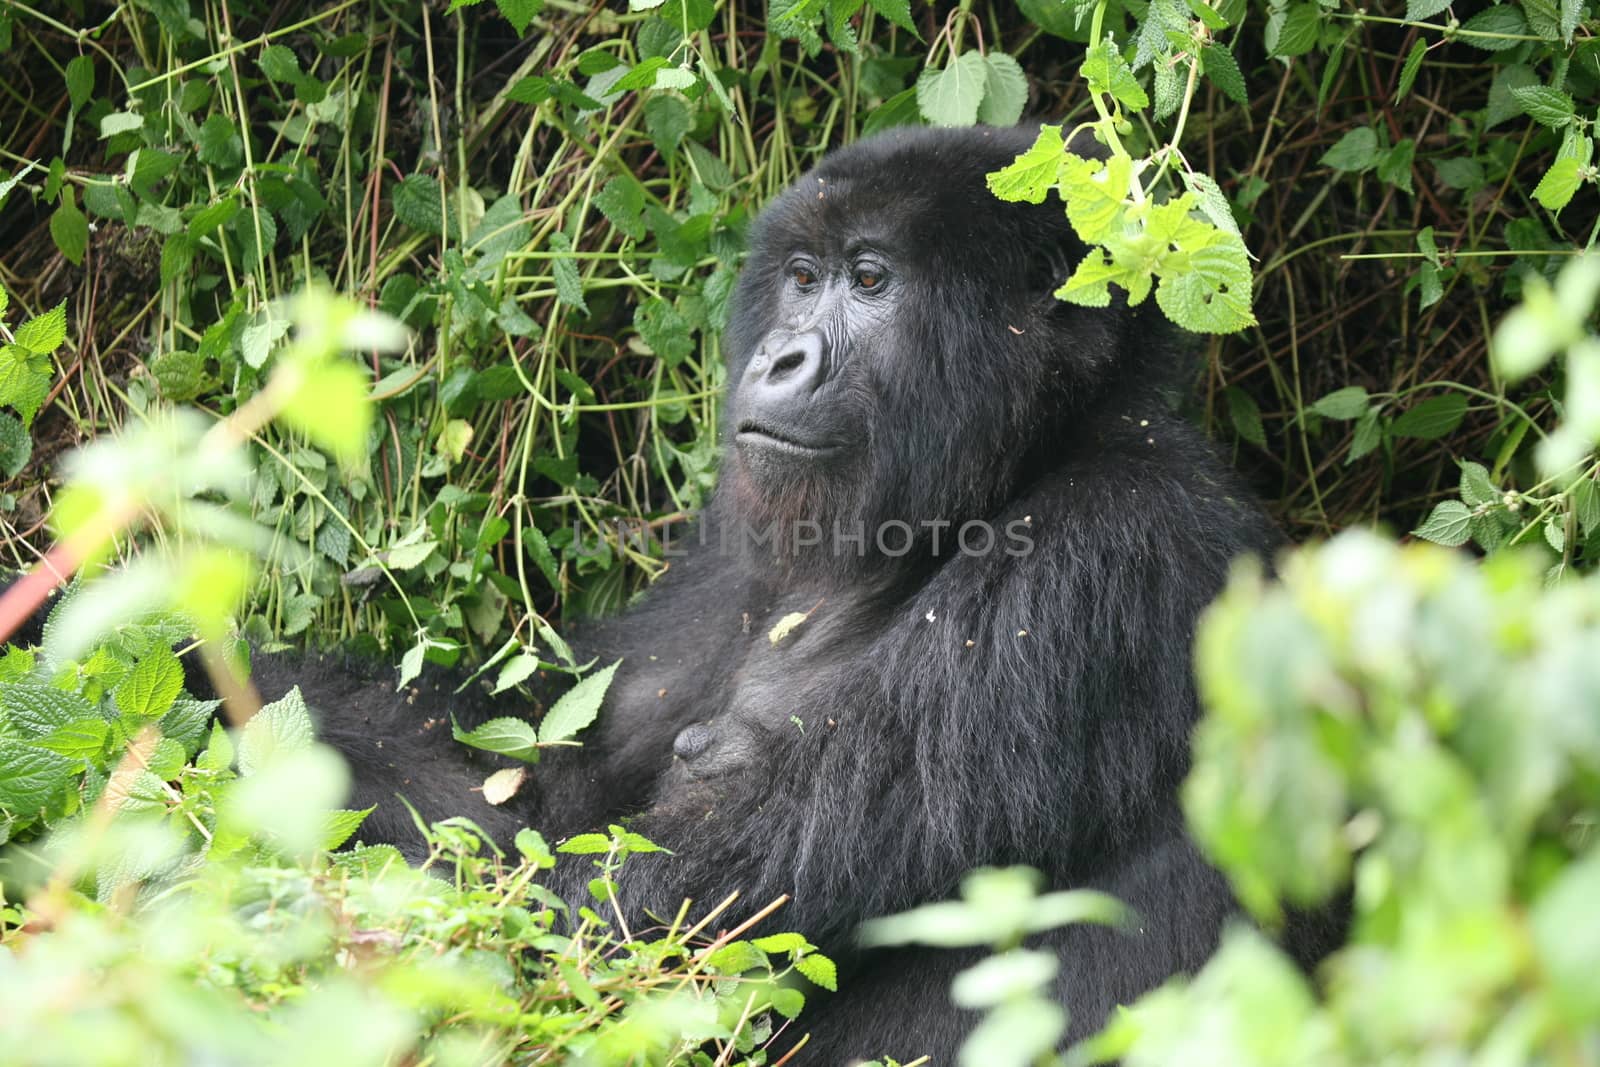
(803, 275)
(867, 278)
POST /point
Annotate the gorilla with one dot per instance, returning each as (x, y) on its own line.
(938, 613)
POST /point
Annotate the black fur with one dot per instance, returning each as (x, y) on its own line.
(936, 710)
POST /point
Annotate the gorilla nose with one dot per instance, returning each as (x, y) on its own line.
(797, 368)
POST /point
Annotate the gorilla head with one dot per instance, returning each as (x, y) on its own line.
(895, 344)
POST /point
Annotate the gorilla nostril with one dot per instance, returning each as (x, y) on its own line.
(692, 740)
(787, 363)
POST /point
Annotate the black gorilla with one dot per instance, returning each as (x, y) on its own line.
(1000, 538)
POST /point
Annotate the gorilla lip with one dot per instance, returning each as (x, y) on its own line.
(750, 433)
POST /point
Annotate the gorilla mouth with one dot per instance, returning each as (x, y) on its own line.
(764, 435)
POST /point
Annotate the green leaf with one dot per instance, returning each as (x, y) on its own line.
(339, 826)
(1423, 10)
(1449, 525)
(1213, 295)
(1394, 165)
(1476, 488)
(1108, 73)
(1223, 71)
(1032, 175)
(622, 202)
(417, 203)
(80, 81)
(44, 333)
(1502, 103)
(280, 727)
(1431, 419)
(34, 710)
(69, 229)
(585, 845)
(148, 690)
(820, 969)
(1546, 106)
(1296, 31)
(787, 1002)
(1357, 150)
(1408, 73)
(515, 671)
(950, 96)
(577, 707)
(1246, 416)
(16, 447)
(897, 12)
(331, 404)
(1556, 189)
(784, 942)
(507, 736)
(24, 380)
(1005, 91)
(1495, 29)
(1095, 192)
(1367, 436)
(520, 13)
(82, 740)
(30, 776)
(569, 286)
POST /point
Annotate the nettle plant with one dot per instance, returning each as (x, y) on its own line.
(1554, 325)
(1186, 246)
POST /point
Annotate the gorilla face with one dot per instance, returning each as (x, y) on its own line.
(895, 344)
(798, 412)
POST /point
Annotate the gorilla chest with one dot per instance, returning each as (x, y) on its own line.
(790, 676)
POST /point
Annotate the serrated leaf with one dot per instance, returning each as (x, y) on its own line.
(569, 286)
(1296, 31)
(1357, 150)
(897, 12)
(1108, 73)
(16, 447)
(1348, 403)
(24, 380)
(1223, 71)
(1245, 415)
(784, 942)
(1367, 436)
(515, 671)
(1031, 176)
(506, 736)
(1214, 294)
(1212, 203)
(585, 845)
(1495, 29)
(417, 203)
(622, 202)
(787, 1002)
(80, 81)
(30, 776)
(149, 689)
(1585, 496)
(1408, 72)
(1005, 91)
(339, 826)
(1546, 106)
(949, 96)
(1448, 525)
(577, 707)
(1556, 189)
(820, 969)
(280, 727)
(1423, 10)
(1431, 419)
(44, 333)
(1476, 488)
(1096, 192)
(82, 740)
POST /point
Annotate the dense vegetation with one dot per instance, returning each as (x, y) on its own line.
(551, 197)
